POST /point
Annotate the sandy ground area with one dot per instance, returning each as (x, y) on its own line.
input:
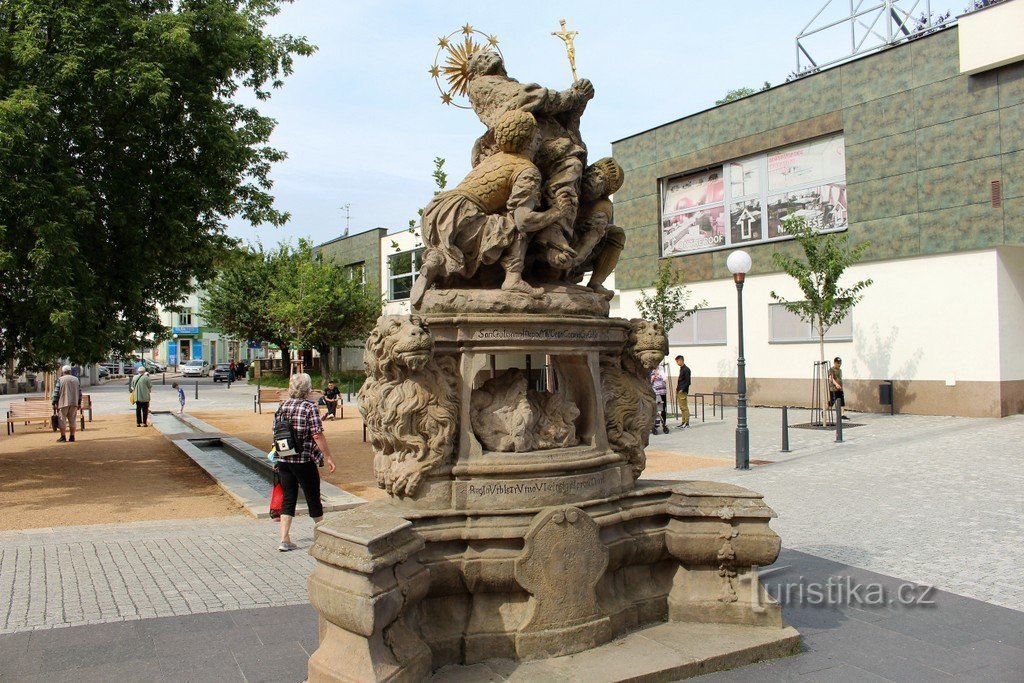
(660, 462)
(114, 472)
(353, 457)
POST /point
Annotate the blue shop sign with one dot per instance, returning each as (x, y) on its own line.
(185, 329)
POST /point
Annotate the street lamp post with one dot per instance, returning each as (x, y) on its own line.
(739, 265)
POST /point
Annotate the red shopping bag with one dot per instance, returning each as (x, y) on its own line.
(276, 498)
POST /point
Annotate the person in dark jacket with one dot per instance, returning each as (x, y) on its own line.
(683, 393)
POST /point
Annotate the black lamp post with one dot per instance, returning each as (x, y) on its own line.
(739, 265)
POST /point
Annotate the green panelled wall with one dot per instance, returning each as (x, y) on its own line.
(923, 144)
(362, 247)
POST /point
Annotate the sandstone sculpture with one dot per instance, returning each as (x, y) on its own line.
(408, 403)
(629, 400)
(509, 418)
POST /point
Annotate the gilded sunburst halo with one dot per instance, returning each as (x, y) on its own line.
(451, 62)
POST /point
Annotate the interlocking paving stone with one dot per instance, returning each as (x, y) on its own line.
(148, 569)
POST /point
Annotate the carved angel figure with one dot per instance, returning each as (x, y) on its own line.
(409, 403)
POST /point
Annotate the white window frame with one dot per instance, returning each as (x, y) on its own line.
(695, 317)
(415, 261)
(184, 318)
(812, 334)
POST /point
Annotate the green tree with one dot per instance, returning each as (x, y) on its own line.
(122, 152)
(323, 305)
(669, 304)
(827, 256)
(238, 299)
(741, 92)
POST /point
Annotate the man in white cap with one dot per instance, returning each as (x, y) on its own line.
(67, 401)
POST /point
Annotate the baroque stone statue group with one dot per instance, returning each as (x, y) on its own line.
(509, 417)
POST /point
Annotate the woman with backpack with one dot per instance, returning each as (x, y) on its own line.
(298, 466)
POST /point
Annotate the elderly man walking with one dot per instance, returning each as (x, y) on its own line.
(143, 387)
(67, 401)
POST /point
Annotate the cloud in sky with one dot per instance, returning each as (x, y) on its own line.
(362, 121)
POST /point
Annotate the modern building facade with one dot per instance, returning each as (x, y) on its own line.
(902, 149)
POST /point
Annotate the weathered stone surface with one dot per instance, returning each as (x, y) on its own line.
(629, 401)
(556, 298)
(562, 561)
(507, 416)
(404, 592)
(409, 404)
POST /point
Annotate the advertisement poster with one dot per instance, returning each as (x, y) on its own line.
(689, 192)
(745, 221)
(745, 177)
(693, 231)
(806, 164)
(822, 207)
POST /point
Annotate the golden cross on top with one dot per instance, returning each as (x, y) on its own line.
(567, 37)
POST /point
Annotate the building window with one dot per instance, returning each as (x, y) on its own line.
(746, 200)
(786, 327)
(185, 318)
(402, 271)
(356, 271)
(705, 327)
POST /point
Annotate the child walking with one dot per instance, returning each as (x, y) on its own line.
(181, 398)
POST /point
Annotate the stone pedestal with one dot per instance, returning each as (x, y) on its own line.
(516, 528)
(402, 593)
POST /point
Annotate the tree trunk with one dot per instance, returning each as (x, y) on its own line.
(286, 358)
(325, 365)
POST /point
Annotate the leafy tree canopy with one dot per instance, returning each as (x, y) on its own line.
(290, 296)
(827, 256)
(122, 152)
(669, 304)
(741, 92)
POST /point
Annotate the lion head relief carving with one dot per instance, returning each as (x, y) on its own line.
(408, 402)
(628, 397)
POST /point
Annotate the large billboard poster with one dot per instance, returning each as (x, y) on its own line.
(694, 230)
(689, 192)
(745, 200)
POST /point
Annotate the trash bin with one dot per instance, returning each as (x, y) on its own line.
(885, 394)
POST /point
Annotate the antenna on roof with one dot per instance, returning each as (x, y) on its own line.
(348, 217)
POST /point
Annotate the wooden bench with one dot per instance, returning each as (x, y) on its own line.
(86, 405)
(27, 413)
(277, 395)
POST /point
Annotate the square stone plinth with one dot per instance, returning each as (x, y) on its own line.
(663, 652)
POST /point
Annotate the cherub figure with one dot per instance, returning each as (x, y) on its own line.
(487, 218)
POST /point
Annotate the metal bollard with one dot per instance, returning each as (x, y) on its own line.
(197, 390)
(785, 429)
(165, 378)
(839, 422)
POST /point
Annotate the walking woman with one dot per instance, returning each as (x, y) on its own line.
(312, 451)
(143, 388)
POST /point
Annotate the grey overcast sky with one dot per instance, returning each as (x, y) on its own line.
(361, 120)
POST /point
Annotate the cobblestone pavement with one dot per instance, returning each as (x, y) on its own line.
(106, 573)
(936, 500)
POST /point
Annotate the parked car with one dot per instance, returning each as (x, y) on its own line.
(102, 372)
(152, 367)
(222, 373)
(196, 368)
